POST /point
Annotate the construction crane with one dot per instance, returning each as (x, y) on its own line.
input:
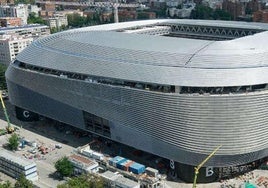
(9, 128)
(202, 163)
(115, 5)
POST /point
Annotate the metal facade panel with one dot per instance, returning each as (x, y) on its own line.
(188, 123)
(147, 73)
(155, 59)
(183, 127)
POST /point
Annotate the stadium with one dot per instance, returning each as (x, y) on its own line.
(174, 88)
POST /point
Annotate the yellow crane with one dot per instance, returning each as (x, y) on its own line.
(9, 128)
(202, 163)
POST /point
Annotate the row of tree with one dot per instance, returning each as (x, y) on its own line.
(75, 20)
(84, 181)
(32, 2)
(207, 13)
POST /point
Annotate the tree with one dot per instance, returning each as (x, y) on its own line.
(13, 142)
(64, 167)
(3, 85)
(162, 12)
(248, 10)
(53, 30)
(207, 13)
(75, 20)
(6, 184)
(142, 16)
(23, 182)
(32, 2)
(219, 14)
(33, 18)
(84, 181)
(202, 12)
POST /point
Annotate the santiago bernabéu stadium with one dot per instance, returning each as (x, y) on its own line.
(174, 88)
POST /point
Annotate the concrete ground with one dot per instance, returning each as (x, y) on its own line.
(44, 133)
(45, 163)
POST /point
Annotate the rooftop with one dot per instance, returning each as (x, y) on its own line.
(101, 51)
(5, 29)
(110, 175)
(83, 160)
(15, 159)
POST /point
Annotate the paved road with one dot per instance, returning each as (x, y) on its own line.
(46, 134)
(45, 167)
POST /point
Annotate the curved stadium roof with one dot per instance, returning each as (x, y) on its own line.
(102, 51)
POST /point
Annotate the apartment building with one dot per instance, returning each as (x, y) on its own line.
(261, 16)
(10, 21)
(34, 9)
(57, 21)
(11, 45)
(34, 30)
(20, 11)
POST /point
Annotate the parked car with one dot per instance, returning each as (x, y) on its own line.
(58, 146)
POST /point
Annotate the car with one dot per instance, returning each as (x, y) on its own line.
(58, 146)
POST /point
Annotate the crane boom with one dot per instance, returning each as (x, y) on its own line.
(9, 128)
(202, 163)
(5, 110)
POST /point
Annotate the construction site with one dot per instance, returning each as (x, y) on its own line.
(84, 158)
(44, 142)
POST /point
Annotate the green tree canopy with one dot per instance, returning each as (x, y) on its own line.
(53, 30)
(6, 184)
(13, 142)
(25, 2)
(142, 16)
(207, 13)
(33, 18)
(22, 182)
(84, 181)
(202, 12)
(75, 20)
(3, 85)
(64, 167)
(219, 14)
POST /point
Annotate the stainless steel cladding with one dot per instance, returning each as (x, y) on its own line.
(177, 98)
